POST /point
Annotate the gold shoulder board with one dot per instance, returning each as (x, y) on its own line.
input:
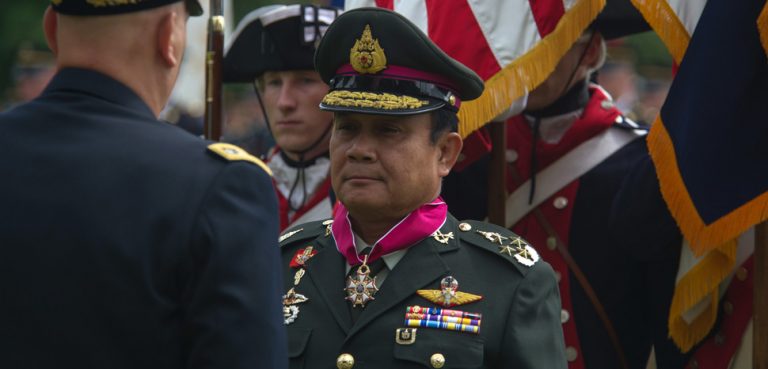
(233, 153)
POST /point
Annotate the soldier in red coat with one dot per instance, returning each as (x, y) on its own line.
(273, 48)
(569, 155)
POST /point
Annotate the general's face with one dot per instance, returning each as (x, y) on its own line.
(384, 167)
(291, 100)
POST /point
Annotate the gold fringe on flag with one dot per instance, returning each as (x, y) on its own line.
(703, 237)
(529, 70)
(666, 24)
(762, 27)
(700, 283)
(716, 241)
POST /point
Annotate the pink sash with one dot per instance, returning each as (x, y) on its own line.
(416, 226)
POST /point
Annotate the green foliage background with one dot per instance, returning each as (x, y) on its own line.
(20, 21)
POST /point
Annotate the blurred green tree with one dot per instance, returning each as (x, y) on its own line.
(20, 22)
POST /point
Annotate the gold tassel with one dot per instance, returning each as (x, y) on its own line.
(762, 27)
(700, 283)
(529, 70)
(702, 237)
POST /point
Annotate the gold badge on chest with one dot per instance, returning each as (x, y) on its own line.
(290, 310)
(292, 299)
(449, 294)
(405, 336)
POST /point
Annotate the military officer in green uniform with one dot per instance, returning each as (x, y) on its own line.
(393, 280)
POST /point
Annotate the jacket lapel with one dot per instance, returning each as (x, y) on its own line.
(327, 271)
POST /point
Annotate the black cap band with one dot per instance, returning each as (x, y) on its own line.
(109, 7)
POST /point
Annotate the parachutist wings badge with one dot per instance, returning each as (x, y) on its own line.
(448, 295)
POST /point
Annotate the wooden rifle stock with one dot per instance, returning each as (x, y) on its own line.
(213, 65)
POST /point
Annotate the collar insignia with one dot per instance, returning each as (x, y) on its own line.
(442, 237)
(366, 56)
(328, 224)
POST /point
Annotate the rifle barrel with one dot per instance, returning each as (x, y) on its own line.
(214, 59)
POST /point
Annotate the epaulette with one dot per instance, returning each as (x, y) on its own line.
(234, 153)
(500, 241)
(305, 231)
(629, 124)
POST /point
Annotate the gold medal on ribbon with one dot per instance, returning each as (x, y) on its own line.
(360, 286)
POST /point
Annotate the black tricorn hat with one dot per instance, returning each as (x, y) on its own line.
(378, 62)
(619, 18)
(275, 38)
(107, 7)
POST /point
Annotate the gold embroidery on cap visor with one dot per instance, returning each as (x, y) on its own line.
(101, 3)
(383, 101)
(366, 56)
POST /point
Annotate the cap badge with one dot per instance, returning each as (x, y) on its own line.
(367, 56)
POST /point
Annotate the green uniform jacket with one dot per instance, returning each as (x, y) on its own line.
(520, 305)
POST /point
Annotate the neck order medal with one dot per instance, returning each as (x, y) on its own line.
(361, 287)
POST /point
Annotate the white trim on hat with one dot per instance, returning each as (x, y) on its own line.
(247, 20)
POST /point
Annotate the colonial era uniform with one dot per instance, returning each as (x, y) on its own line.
(730, 344)
(578, 172)
(304, 191)
(432, 291)
(279, 38)
(129, 243)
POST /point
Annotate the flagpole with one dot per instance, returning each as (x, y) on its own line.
(497, 174)
(213, 62)
(760, 298)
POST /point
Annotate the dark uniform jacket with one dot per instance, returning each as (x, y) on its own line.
(126, 243)
(520, 309)
(615, 225)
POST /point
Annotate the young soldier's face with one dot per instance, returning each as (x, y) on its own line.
(291, 100)
(384, 167)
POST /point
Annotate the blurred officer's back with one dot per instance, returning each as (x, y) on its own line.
(124, 241)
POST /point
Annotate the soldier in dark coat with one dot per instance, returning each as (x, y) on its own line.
(393, 280)
(126, 242)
